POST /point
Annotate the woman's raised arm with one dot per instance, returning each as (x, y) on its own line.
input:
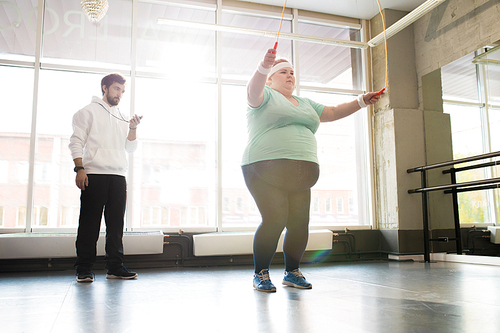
(255, 87)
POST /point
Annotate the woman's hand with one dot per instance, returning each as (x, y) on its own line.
(332, 113)
(269, 58)
(372, 97)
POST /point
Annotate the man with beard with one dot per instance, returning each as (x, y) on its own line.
(101, 136)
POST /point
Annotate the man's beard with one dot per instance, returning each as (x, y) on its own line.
(112, 101)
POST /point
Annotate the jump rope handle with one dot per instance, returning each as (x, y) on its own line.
(380, 92)
(275, 45)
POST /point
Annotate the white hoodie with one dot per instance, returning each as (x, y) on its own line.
(100, 139)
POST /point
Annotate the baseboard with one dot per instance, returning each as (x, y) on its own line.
(445, 257)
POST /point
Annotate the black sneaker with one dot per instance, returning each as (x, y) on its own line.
(85, 276)
(121, 273)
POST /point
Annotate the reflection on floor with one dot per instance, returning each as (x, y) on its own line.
(348, 297)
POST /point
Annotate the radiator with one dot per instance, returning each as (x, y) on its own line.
(38, 245)
(237, 243)
(494, 234)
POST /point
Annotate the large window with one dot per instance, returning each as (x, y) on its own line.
(339, 144)
(471, 97)
(342, 165)
(174, 167)
(17, 93)
(189, 85)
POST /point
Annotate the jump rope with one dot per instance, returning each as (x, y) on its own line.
(281, 21)
(385, 43)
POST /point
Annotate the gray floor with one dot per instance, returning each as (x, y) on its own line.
(347, 297)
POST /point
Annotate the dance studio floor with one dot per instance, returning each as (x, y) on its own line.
(380, 296)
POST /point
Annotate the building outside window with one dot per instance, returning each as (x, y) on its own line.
(340, 205)
(315, 205)
(4, 171)
(328, 205)
(352, 207)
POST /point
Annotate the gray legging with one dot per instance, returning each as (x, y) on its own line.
(282, 191)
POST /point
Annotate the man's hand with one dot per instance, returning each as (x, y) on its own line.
(135, 121)
(81, 179)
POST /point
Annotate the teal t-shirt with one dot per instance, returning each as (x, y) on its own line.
(278, 129)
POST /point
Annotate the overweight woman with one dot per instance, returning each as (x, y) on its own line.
(280, 164)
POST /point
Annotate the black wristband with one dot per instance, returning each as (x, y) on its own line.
(78, 168)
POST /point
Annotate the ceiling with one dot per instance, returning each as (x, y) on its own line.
(364, 9)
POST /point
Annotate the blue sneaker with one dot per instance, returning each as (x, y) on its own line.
(262, 282)
(296, 279)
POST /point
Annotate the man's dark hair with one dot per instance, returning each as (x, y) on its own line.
(109, 79)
